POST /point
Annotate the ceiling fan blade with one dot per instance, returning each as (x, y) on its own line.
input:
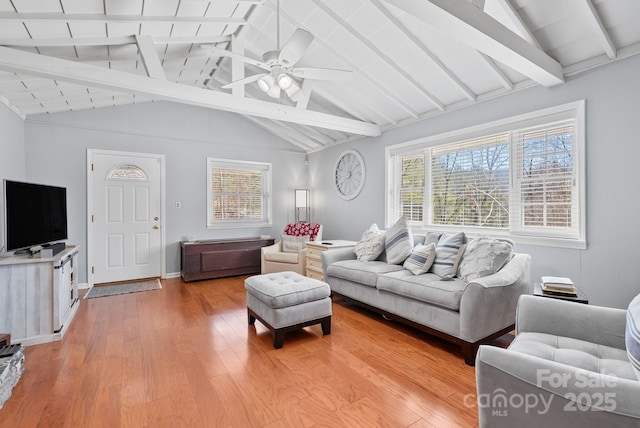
(295, 47)
(223, 52)
(322, 73)
(244, 81)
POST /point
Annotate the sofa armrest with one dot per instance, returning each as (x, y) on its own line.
(550, 391)
(332, 256)
(597, 324)
(275, 248)
(488, 304)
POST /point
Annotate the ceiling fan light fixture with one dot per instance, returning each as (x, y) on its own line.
(266, 83)
(284, 81)
(274, 92)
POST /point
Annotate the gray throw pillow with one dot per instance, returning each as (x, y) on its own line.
(371, 245)
(398, 242)
(448, 253)
(484, 256)
(293, 244)
(421, 259)
(632, 334)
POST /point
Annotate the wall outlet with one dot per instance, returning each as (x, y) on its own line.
(178, 204)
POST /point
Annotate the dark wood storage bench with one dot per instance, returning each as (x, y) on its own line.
(220, 257)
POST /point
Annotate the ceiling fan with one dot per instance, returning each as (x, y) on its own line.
(279, 65)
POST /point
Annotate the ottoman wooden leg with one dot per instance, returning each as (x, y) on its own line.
(278, 338)
(252, 319)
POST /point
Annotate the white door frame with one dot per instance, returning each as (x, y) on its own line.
(163, 214)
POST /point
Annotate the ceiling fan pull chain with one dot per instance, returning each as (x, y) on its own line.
(278, 25)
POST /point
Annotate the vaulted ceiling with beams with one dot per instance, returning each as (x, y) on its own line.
(384, 63)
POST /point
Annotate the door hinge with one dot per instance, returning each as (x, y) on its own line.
(92, 167)
(93, 269)
(91, 218)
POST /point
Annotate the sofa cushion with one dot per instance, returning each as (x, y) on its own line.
(483, 256)
(371, 245)
(448, 253)
(632, 334)
(365, 273)
(398, 242)
(576, 353)
(279, 256)
(421, 259)
(428, 288)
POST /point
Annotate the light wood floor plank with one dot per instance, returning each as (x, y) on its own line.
(185, 356)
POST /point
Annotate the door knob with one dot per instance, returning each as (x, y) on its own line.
(156, 218)
(156, 227)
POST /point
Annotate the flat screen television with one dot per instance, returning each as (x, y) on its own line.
(35, 214)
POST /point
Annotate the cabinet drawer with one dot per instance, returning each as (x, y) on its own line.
(314, 263)
(315, 274)
(314, 252)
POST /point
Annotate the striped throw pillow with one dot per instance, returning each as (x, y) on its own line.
(632, 335)
(398, 242)
(448, 253)
(421, 259)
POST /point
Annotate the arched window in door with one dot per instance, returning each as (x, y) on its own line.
(126, 172)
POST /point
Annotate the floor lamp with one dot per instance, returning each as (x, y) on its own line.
(303, 206)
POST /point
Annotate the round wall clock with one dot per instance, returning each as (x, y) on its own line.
(349, 174)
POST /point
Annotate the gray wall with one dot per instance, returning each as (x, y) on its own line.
(56, 153)
(607, 271)
(12, 156)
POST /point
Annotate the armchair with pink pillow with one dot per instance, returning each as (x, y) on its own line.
(290, 254)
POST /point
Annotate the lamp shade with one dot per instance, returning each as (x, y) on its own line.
(302, 198)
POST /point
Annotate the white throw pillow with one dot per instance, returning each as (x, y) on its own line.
(293, 244)
(398, 242)
(484, 256)
(371, 245)
(632, 334)
(448, 253)
(421, 259)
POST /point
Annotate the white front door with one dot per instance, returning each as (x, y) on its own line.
(126, 216)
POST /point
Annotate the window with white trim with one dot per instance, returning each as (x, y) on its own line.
(521, 177)
(238, 193)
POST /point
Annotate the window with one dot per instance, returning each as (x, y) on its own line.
(521, 177)
(238, 193)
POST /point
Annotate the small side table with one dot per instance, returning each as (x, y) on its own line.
(314, 251)
(5, 339)
(580, 298)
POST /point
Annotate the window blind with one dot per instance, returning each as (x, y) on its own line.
(470, 182)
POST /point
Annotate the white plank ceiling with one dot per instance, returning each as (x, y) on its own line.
(411, 59)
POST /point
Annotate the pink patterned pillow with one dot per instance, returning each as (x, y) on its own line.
(303, 229)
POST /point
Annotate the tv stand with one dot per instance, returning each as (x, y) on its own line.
(38, 296)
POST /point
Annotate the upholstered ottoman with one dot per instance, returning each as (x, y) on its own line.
(287, 301)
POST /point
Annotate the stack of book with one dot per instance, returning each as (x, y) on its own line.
(558, 286)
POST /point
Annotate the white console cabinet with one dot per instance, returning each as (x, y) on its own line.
(38, 296)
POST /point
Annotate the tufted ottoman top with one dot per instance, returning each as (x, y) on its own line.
(283, 289)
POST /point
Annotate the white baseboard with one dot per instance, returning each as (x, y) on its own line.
(171, 275)
(83, 286)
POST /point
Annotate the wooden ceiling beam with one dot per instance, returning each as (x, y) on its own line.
(600, 29)
(150, 58)
(468, 24)
(110, 19)
(18, 61)
(515, 18)
(108, 41)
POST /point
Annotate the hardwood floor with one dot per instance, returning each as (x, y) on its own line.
(185, 356)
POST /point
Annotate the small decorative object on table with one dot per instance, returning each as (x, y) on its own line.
(557, 284)
(559, 288)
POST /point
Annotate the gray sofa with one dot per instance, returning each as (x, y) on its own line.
(568, 366)
(467, 314)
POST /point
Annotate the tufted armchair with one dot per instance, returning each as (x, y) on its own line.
(290, 254)
(567, 366)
